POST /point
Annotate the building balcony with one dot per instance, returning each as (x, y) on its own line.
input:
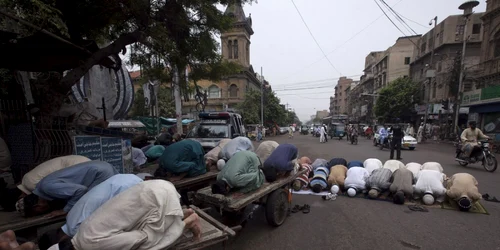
(490, 67)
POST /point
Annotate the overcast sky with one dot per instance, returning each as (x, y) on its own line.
(346, 31)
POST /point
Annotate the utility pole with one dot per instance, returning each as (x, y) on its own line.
(261, 97)
(432, 72)
(467, 8)
(178, 104)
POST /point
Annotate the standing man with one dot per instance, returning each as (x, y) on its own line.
(322, 134)
(263, 132)
(397, 137)
(290, 132)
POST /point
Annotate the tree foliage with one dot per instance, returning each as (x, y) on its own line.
(161, 34)
(397, 100)
(274, 113)
(165, 103)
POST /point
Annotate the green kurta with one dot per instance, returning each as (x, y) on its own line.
(242, 172)
(185, 156)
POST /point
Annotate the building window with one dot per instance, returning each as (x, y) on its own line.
(233, 91)
(230, 49)
(407, 60)
(235, 53)
(213, 92)
(460, 30)
(423, 48)
(476, 28)
(248, 52)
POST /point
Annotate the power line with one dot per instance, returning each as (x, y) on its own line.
(380, 7)
(304, 21)
(315, 81)
(340, 46)
(399, 17)
(319, 87)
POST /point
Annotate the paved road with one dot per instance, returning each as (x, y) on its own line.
(354, 223)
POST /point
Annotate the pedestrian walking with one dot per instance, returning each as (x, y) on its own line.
(290, 132)
(322, 135)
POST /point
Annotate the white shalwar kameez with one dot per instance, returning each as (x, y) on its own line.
(322, 133)
(146, 216)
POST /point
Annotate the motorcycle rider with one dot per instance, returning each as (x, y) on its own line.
(383, 134)
(397, 136)
(354, 133)
(470, 137)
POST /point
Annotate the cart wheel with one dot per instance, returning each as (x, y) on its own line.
(277, 207)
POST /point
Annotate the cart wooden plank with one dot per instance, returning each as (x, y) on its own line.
(14, 221)
(236, 201)
(191, 181)
(209, 235)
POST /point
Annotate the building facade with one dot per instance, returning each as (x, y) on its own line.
(439, 80)
(230, 91)
(339, 101)
(484, 101)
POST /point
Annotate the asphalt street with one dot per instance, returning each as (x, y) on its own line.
(357, 223)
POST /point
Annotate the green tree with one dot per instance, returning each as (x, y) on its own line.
(161, 34)
(273, 111)
(165, 103)
(397, 100)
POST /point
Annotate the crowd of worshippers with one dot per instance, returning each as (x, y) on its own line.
(412, 181)
(103, 209)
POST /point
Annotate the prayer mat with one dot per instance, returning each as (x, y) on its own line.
(477, 207)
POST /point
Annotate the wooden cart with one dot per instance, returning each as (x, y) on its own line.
(275, 196)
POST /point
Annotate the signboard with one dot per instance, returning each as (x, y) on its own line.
(88, 146)
(471, 97)
(490, 93)
(112, 152)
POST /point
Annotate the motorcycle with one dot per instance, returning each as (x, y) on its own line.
(480, 153)
(354, 139)
(386, 143)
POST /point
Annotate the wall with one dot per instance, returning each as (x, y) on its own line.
(396, 67)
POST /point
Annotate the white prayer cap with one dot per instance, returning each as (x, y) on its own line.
(351, 192)
(220, 164)
(428, 199)
(334, 189)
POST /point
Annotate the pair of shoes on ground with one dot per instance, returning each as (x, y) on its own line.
(305, 209)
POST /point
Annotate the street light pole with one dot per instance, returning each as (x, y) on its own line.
(431, 66)
(467, 8)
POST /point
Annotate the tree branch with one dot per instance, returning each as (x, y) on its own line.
(114, 48)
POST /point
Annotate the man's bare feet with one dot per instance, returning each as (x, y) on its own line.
(193, 223)
(8, 242)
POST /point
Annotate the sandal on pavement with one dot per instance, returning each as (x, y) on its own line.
(296, 209)
(306, 209)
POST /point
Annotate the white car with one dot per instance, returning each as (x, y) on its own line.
(408, 142)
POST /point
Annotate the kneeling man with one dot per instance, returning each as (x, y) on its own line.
(379, 181)
(183, 159)
(462, 188)
(430, 186)
(356, 180)
(241, 173)
(281, 162)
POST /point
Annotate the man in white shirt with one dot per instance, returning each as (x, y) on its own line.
(394, 165)
(430, 187)
(432, 166)
(414, 168)
(372, 164)
(355, 180)
(146, 216)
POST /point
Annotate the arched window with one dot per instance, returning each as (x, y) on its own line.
(230, 49)
(235, 53)
(233, 91)
(213, 92)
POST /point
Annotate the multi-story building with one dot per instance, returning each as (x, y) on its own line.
(231, 90)
(446, 41)
(484, 102)
(394, 62)
(320, 114)
(340, 99)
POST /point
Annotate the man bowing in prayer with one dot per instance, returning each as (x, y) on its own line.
(183, 159)
(402, 185)
(241, 173)
(372, 164)
(430, 187)
(355, 181)
(66, 185)
(281, 162)
(379, 181)
(146, 216)
(394, 165)
(265, 150)
(462, 188)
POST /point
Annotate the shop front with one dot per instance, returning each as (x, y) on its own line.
(484, 108)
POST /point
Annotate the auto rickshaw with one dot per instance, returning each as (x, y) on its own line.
(337, 130)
